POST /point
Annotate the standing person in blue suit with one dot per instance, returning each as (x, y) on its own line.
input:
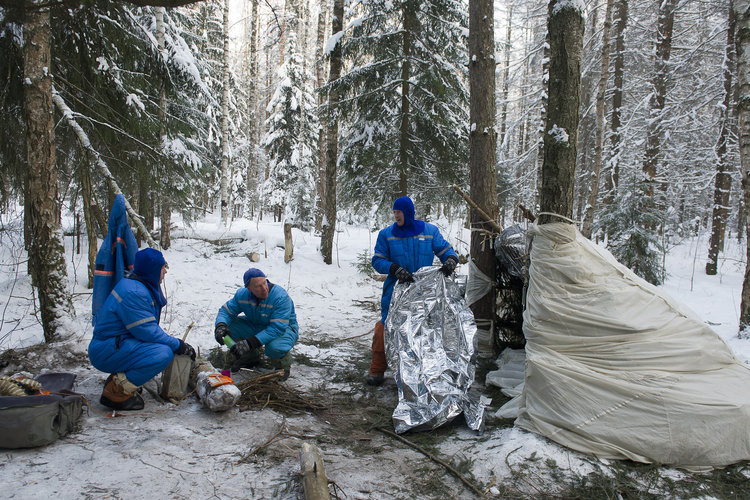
(401, 249)
(128, 341)
(260, 315)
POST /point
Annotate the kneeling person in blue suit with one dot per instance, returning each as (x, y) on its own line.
(128, 341)
(267, 321)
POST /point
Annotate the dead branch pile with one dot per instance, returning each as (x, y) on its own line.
(266, 392)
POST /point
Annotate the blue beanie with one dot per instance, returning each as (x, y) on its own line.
(406, 206)
(148, 264)
(251, 273)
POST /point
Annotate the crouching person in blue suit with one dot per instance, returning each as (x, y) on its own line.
(259, 315)
(128, 341)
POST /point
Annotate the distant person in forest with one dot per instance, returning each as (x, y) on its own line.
(401, 249)
(128, 341)
(259, 319)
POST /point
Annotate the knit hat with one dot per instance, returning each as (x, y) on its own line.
(251, 273)
(148, 264)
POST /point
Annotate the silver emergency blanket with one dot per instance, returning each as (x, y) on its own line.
(430, 343)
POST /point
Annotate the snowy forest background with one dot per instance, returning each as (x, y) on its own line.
(284, 110)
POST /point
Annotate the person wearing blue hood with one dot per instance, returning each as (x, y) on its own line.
(260, 315)
(128, 342)
(401, 249)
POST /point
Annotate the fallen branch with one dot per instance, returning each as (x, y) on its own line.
(358, 336)
(96, 159)
(435, 459)
(476, 207)
(255, 450)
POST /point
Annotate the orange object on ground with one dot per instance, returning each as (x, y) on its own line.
(379, 363)
(217, 379)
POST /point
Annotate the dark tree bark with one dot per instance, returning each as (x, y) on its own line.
(332, 137)
(723, 181)
(87, 193)
(483, 143)
(320, 68)
(654, 135)
(742, 15)
(566, 27)
(593, 197)
(46, 251)
(408, 11)
(612, 175)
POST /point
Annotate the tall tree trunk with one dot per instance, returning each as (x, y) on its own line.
(87, 193)
(654, 135)
(506, 84)
(482, 145)
(46, 250)
(225, 118)
(332, 135)
(612, 172)
(252, 164)
(409, 14)
(588, 217)
(566, 27)
(320, 68)
(742, 13)
(165, 208)
(723, 182)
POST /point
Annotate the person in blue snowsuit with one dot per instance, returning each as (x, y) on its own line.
(259, 315)
(128, 342)
(401, 249)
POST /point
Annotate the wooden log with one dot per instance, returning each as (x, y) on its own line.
(253, 256)
(314, 480)
(288, 244)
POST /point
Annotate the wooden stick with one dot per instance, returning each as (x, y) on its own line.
(447, 466)
(527, 213)
(314, 480)
(188, 330)
(255, 450)
(476, 207)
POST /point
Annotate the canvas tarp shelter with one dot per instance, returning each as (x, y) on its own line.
(616, 368)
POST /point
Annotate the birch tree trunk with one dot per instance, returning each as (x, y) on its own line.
(588, 216)
(723, 181)
(482, 145)
(225, 118)
(654, 135)
(332, 135)
(566, 27)
(742, 13)
(45, 245)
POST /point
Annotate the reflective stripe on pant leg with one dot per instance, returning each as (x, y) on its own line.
(379, 363)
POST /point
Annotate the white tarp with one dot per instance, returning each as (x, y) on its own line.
(616, 368)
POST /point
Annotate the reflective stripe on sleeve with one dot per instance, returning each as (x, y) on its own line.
(140, 322)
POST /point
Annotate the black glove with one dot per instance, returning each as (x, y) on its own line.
(449, 266)
(220, 331)
(186, 349)
(401, 274)
(242, 347)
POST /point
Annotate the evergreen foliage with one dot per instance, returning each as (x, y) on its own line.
(425, 43)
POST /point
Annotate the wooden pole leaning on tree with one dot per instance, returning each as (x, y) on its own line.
(96, 159)
(314, 480)
(484, 215)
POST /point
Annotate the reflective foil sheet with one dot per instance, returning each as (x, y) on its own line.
(430, 343)
(512, 253)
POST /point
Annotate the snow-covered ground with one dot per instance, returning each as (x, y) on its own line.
(186, 451)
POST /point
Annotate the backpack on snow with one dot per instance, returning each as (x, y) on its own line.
(31, 421)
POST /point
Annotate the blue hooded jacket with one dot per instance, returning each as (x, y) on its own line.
(411, 246)
(116, 255)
